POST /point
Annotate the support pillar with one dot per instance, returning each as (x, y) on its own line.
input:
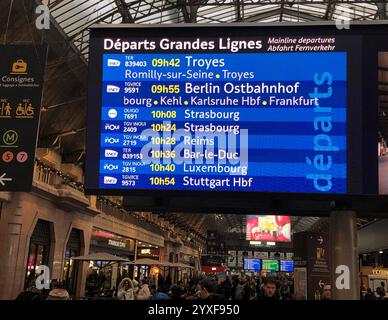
(13, 255)
(344, 256)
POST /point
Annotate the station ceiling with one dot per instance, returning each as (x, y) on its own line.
(76, 16)
(235, 223)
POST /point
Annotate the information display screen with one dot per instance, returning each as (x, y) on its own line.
(268, 228)
(252, 264)
(287, 265)
(229, 110)
(270, 265)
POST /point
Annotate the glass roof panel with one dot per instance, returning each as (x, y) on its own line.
(76, 16)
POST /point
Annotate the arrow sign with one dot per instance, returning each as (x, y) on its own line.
(321, 283)
(320, 240)
(3, 179)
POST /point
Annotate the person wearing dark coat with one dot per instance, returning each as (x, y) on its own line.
(168, 281)
(268, 292)
(208, 290)
(226, 288)
(369, 295)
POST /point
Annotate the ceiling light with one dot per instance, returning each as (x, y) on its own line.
(381, 251)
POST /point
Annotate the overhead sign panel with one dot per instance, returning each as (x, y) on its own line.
(21, 83)
(231, 109)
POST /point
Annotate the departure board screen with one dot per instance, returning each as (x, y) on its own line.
(270, 265)
(221, 112)
(252, 264)
(287, 265)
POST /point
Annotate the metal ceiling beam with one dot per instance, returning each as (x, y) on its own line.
(83, 27)
(57, 40)
(292, 2)
(238, 10)
(123, 9)
(136, 7)
(76, 157)
(381, 11)
(55, 136)
(263, 16)
(302, 15)
(281, 12)
(329, 10)
(284, 11)
(189, 9)
(65, 103)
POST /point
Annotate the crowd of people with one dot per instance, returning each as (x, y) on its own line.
(196, 288)
(368, 294)
(207, 288)
(235, 288)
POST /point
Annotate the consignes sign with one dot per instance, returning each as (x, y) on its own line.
(21, 82)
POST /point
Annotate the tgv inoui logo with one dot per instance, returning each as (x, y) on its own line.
(112, 89)
(112, 127)
(111, 167)
(113, 63)
(111, 153)
(111, 140)
(110, 180)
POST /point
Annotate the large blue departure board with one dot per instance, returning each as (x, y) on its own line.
(220, 113)
(254, 122)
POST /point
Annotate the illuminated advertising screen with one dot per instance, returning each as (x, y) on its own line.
(252, 264)
(286, 265)
(227, 109)
(268, 228)
(270, 265)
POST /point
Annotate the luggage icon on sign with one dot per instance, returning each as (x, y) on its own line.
(19, 67)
